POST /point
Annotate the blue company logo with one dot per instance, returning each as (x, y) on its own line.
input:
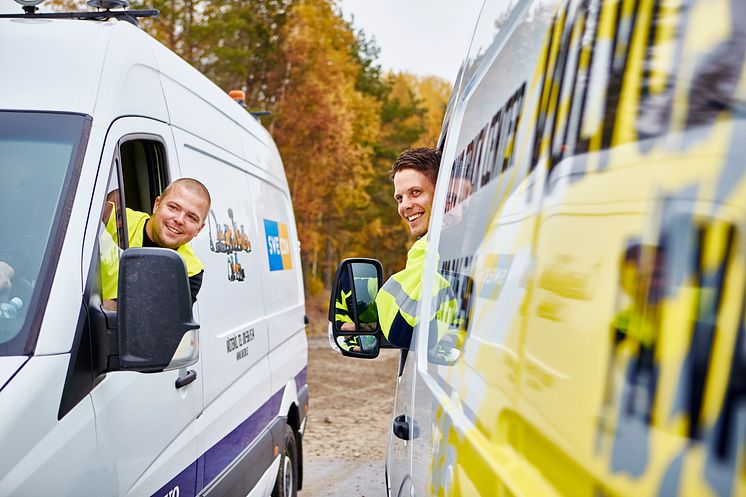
(278, 245)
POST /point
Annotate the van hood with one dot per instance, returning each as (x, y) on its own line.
(9, 366)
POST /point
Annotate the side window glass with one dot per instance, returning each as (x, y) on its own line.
(111, 240)
(138, 176)
(492, 18)
(451, 303)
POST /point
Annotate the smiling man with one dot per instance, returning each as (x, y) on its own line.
(179, 215)
(414, 175)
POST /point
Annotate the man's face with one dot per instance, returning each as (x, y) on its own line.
(414, 193)
(178, 217)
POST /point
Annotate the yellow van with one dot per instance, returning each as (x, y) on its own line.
(589, 215)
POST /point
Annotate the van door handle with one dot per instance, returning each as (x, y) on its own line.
(185, 380)
(402, 429)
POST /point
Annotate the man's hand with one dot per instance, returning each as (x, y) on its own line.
(110, 305)
(363, 327)
(6, 275)
(368, 326)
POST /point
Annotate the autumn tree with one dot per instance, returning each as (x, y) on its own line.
(175, 25)
(324, 123)
(410, 108)
(433, 94)
(239, 46)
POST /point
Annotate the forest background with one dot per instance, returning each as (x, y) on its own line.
(337, 118)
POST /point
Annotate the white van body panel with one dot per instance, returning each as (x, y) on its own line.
(288, 360)
(42, 455)
(164, 429)
(100, 69)
(68, 80)
(8, 367)
(129, 83)
(201, 97)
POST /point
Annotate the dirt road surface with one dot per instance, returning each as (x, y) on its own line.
(351, 401)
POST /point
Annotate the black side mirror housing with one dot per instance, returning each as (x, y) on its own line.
(353, 316)
(154, 308)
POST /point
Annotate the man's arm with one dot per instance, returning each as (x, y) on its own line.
(195, 283)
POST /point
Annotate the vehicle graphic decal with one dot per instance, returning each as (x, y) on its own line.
(229, 240)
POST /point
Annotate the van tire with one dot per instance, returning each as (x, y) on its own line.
(286, 484)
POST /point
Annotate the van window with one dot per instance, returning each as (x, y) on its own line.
(138, 176)
(493, 17)
(111, 238)
(144, 171)
(38, 158)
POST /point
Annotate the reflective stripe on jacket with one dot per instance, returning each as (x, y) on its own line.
(398, 298)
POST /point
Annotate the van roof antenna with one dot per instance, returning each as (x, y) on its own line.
(108, 4)
(104, 12)
(29, 6)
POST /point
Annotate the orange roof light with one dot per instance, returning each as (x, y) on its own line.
(239, 96)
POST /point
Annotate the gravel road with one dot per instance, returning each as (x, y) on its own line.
(350, 414)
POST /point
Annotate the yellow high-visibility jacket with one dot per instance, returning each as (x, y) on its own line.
(398, 299)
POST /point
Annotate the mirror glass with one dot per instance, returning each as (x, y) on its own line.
(365, 276)
(363, 345)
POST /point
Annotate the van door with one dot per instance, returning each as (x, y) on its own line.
(147, 435)
(239, 404)
(282, 283)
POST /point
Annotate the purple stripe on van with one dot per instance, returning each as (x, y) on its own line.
(182, 485)
(217, 458)
(210, 464)
(220, 455)
(300, 379)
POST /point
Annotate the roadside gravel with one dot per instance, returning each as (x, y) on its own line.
(350, 414)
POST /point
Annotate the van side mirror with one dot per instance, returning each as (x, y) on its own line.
(155, 308)
(353, 316)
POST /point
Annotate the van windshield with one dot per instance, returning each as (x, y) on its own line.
(38, 164)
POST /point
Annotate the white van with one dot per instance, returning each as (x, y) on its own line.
(590, 218)
(98, 404)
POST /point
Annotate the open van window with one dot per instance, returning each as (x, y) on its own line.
(39, 157)
(144, 169)
(138, 177)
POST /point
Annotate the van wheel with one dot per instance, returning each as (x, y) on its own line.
(287, 477)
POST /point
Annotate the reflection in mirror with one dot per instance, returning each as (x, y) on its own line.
(343, 317)
(365, 345)
(365, 276)
(365, 280)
